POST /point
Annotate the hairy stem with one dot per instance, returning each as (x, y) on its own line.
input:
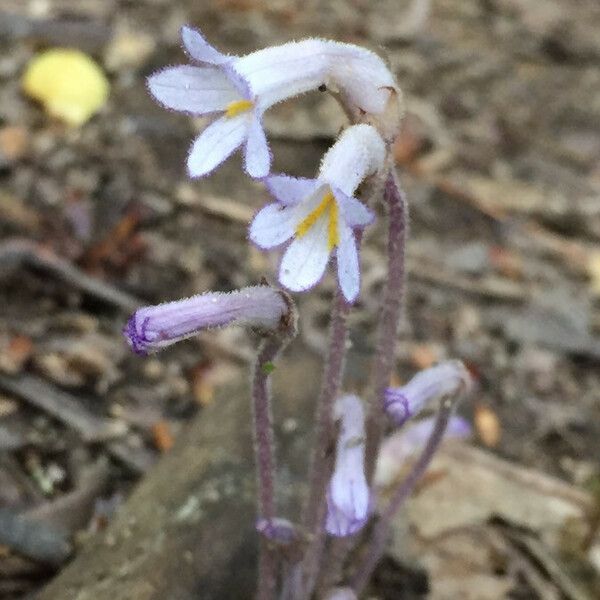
(391, 309)
(264, 446)
(404, 490)
(322, 460)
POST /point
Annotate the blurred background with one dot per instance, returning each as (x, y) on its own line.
(500, 158)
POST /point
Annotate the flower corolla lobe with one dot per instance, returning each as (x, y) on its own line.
(321, 216)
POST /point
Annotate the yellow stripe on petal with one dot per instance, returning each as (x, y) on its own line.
(333, 234)
(238, 107)
(313, 217)
(329, 205)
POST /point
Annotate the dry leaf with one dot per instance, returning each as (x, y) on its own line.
(487, 425)
(69, 84)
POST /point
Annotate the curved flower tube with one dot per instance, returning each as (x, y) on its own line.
(321, 215)
(152, 328)
(348, 495)
(447, 378)
(241, 89)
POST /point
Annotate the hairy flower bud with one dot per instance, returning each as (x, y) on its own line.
(153, 327)
(348, 495)
(447, 378)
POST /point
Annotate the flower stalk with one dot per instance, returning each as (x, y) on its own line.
(404, 490)
(264, 449)
(322, 459)
(391, 311)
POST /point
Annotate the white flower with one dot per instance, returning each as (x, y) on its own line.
(241, 89)
(321, 215)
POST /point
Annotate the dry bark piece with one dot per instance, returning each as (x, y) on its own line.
(33, 539)
(187, 531)
(63, 407)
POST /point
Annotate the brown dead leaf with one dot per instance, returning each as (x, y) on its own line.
(162, 436)
(14, 142)
(487, 425)
(424, 356)
(411, 141)
(506, 262)
(15, 354)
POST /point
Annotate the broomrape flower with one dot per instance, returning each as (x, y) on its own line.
(321, 215)
(445, 379)
(153, 327)
(348, 495)
(241, 89)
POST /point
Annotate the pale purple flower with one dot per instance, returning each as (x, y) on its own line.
(153, 327)
(238, 90)
(348, 495)
(320, 215)
(214, 88)
(445, 379)
(405, 443)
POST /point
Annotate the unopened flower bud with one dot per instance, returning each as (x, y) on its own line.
(445, 379)
(348, 495)
(153, 327)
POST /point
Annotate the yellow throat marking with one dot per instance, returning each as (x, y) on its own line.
(238, 107)
(329, 205)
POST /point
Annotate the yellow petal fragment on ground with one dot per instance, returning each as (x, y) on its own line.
(69, 84)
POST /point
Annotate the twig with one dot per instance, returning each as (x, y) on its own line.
(18, 252)
(62, 406)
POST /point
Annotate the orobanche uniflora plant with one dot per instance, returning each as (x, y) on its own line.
(316, 222)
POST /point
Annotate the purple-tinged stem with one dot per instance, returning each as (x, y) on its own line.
(391, 310)
(322, 460)
(264, 446)
(404, 490)
(264, 449)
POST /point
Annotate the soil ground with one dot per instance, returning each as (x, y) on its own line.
(500, 157)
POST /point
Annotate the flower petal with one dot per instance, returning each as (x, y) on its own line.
(258, 156)
(357, 153)
(199, 49)
(290, 190)
(273, 226)
(348, 494)
(216, 143)
(281, 72)
(347, 264)
(197, 90)
(305, 260)
(355, 213)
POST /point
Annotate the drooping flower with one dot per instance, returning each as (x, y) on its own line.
(213, 88)
(241, 89)
(447, 378)
(154, 327)
(348, 495)
(320, 215)
(405, 443)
